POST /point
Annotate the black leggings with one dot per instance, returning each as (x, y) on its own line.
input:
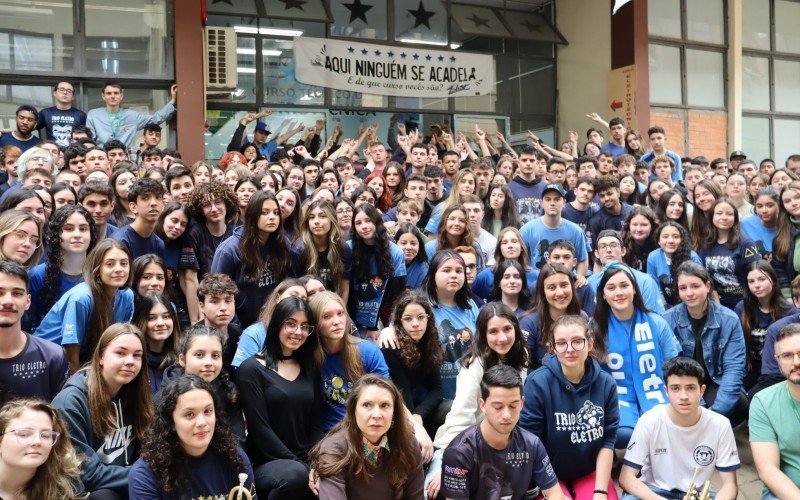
(282, 479)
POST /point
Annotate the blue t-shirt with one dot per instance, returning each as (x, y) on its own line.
(250, 343)
(538, 238)
(613, 149)
(651, 295)
(58, 124)
(415, 274)
(137, 244)
(34, 314)
(67, 323)
(761, 236)
(450, 320)
(9, 139)
(336, 386)
(677, 175)
(658, 269)
(369, 296)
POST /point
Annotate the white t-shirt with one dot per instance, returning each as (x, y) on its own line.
(668, 454)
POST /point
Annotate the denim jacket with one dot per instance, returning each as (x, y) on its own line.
(723, 349)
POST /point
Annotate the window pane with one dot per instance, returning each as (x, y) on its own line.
(665, 74)
(11, 96)
(786, 134)
(534, 84)
(36, 36)
(127, 37)
(432, 103)
(349, 99)
(755, 137)
(664, 18)
(420, 20)
(280, 86)
(755, 24)
(755, 83)
(787, 87)
(787, 37)
(704, 21)
(359, 19)
(704, 77)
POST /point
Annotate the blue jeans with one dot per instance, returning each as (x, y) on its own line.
(769, 496)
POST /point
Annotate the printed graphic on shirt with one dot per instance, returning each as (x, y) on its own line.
(29, 370)
(704, 455)
(542, 254)
(528, 209)
(62, 133)
(336, 389)
(369, 297)
(723, 271)
(267, 277)
(757, 338)
(585, 426)
(115, 445)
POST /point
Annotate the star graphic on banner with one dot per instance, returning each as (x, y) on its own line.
(364, 52)
(351, 49)
(531, 27)
(294, 4)
(421, 16)
(441, 58)
(223, 1)
(416, 56)
(377, 53)
(478, 21)
(428, 57)
(357, 10)
(403, 55)
(390, 54)
(452, 59)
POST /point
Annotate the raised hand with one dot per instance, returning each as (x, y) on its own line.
(573, 136)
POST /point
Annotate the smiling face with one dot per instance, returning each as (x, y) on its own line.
(723, 216)
(26, 457)
(619, 293)
(558, 291)
(500, 335)
(175, 224)
(114, 269)
(669, 239)
(180, 188)
(194, 419)
(703, 198)
(409, 244)
(153, 281)
(203, 358)
(290, 336)
(245, 191)
(214, 210)
(364, 227)
(121, 361)
(640, 227)
(159, 324)
(456, 223)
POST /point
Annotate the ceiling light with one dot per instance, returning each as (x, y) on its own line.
(423, 42)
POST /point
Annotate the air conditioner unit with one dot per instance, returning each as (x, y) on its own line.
(221, 63)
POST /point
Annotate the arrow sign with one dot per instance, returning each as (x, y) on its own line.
(615, 105)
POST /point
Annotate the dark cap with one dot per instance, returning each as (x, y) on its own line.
(605, 233)
(263, 127)
(553, 186)
(737, 154)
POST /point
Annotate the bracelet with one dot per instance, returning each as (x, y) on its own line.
(602, 492)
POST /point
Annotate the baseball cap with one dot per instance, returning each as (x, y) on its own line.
(737, 153)
(553, 186)
(605, 233)
(263, 127)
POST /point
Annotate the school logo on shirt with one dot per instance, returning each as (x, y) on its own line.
(704, 455)
(585, 426)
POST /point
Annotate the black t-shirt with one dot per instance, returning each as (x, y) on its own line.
(198, 249)
(698, 325)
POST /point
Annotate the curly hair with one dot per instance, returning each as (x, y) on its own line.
(254, 250)
(425, 354)
(362, 251)
(681, 255)
(55, 253)
(162, 449)
(62, 469)
(636, 257)
(210, 191)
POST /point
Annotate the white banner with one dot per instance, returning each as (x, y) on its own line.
(386, 70)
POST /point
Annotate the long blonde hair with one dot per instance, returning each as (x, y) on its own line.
(351, 356)
(55, 478)
(335, 245)
(9, 222)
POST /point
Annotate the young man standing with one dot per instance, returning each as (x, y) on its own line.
(495, 458)
(22, 137)
(98, 199)
(146, 202)
(616, 146)
(180, 183)
(59, 120)
(113, 122)
(775, 422)
(484, 240)
(582, 208)
(216, 295)
(539, 233)
(418, 159)
(658, 140)
(612, 213)
(526, 188)
(681, 443)
(30, 367)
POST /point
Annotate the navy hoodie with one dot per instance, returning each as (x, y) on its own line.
(574, 422)
(109, 458)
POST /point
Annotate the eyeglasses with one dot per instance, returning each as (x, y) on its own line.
(62, 90)
(21, 236)
(293, 326)
(27, 436)
(788, 357)
(603, 246)
(344, 211)
(577, 345)
(420, 318)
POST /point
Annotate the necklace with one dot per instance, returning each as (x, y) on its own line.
(793, 402)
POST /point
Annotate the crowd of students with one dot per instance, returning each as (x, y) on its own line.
(430, 315)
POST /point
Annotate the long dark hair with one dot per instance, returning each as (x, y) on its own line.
(271, 351)
(463, 295)
(400, 461)
(701, 222)
(200, 330)
(663, 204)
(292, 223)
(602, 310)
(734, 233)
(162, 449)
(253, 250)
(55, 254)
(479, 350)
(425, 355)
(140, 263)
(543, 308)
(636, 257)
(362, 251)
(170, 207)
(141, 315)
(102, 305)
(509, 214)
(525, 299)
(784, 237)
(523, 253)
(422, 255)
(777, 304)
(682, 254)
(119, 214)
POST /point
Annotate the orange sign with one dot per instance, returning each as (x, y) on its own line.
(622, 94)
